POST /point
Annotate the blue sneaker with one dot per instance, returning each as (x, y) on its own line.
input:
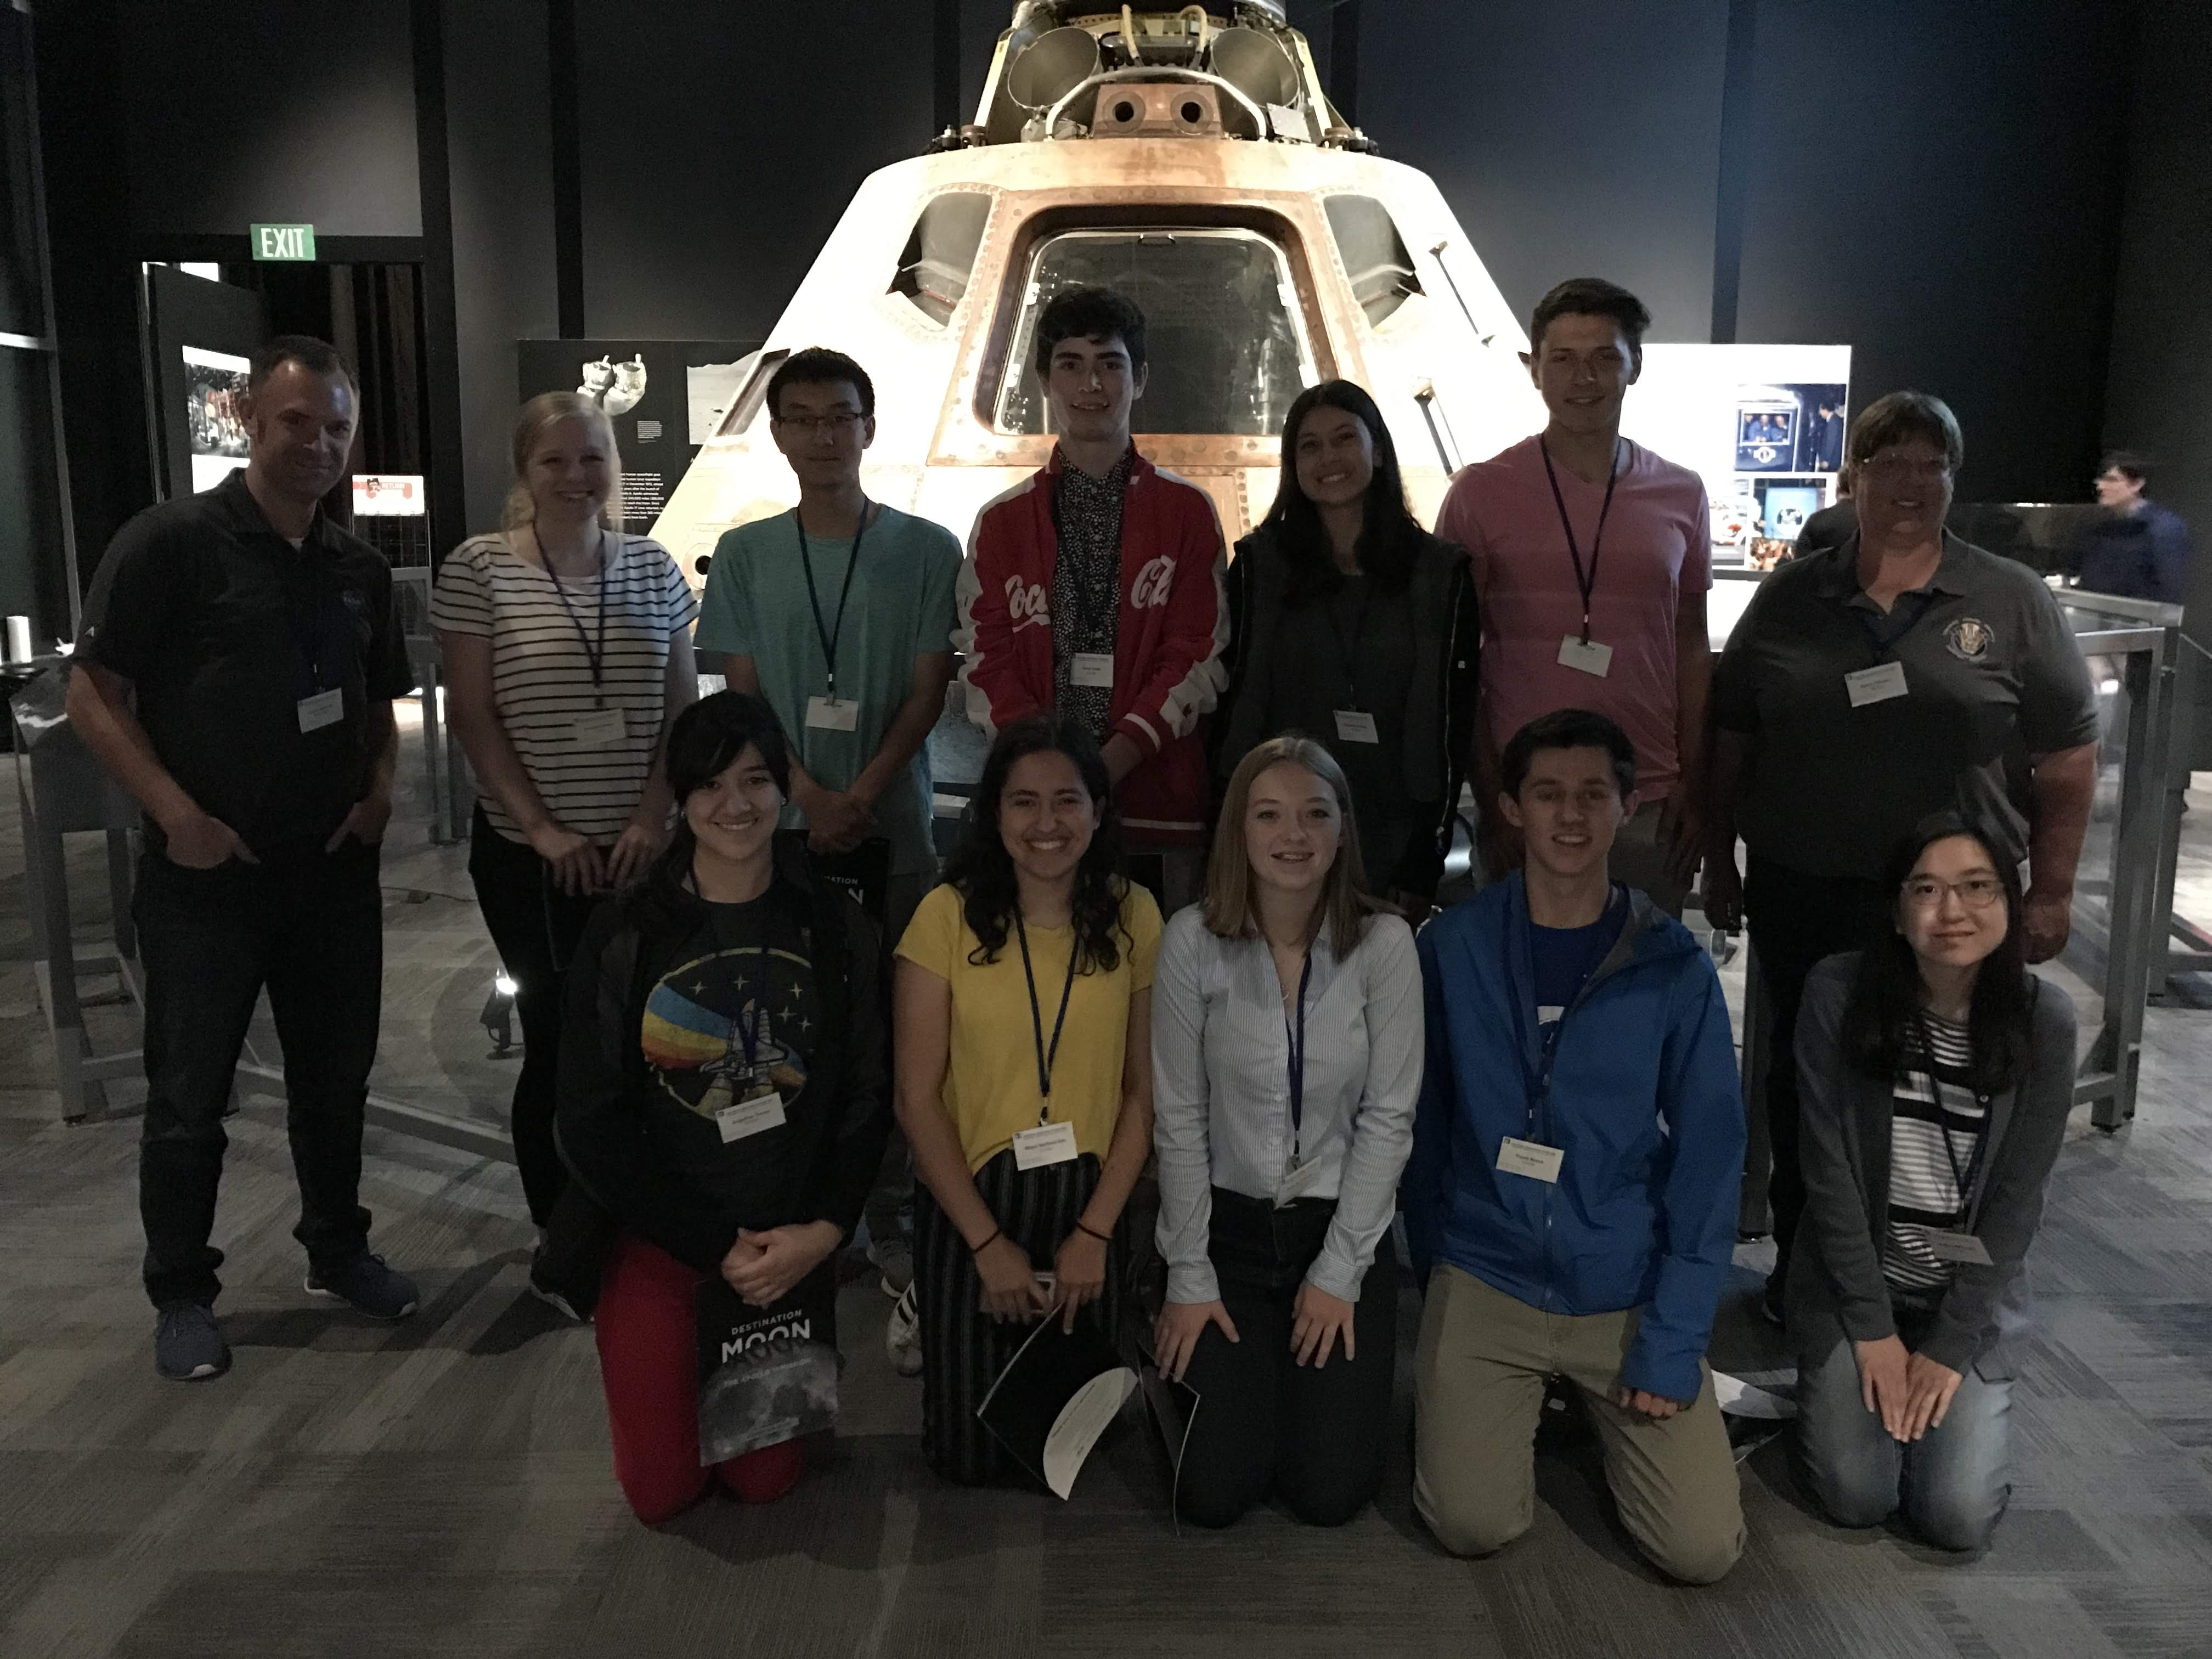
(367, 1286)
(187, 1345)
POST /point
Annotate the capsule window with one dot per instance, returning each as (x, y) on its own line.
(940, 257)
(1374, 255)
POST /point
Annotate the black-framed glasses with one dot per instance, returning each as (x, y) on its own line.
(1975, 892)
(839, 424)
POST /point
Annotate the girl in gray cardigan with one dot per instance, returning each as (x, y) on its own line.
(1936, 1075)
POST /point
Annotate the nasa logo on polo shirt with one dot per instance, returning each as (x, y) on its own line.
(1969, 639)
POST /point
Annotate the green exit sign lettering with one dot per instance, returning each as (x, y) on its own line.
(283, 241)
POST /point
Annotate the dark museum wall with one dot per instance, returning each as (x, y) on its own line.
(1944, 195)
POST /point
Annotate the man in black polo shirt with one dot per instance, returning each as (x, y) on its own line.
(237, 665)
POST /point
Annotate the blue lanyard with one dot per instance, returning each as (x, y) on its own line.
(828, 634)
(1297, 1045)
(1045, 1056)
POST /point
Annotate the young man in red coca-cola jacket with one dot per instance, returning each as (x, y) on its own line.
(1094, 587)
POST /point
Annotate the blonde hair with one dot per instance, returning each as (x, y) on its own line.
(540, 415)
(1346, 903)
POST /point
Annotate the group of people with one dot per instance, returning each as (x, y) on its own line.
(1198, 873)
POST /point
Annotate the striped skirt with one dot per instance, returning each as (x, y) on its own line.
(963, 1348)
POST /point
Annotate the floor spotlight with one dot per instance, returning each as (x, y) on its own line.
(498, 1015)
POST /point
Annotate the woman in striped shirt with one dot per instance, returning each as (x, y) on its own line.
(568, 650)
(1936, 1075)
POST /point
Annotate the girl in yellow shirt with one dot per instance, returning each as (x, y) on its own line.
(1024, 1061)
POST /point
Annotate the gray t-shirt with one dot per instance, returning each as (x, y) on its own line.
(1992, 676)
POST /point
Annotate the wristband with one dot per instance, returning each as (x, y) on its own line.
(1102, 1237)
(978, 1250)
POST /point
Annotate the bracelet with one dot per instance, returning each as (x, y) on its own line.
(1102, 1237)
(978, 1250)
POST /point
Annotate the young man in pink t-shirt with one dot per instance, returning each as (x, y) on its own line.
(1592, 556)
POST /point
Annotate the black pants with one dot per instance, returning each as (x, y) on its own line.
(535, 927)
(1314, 1436)
(1794, 919)
(309, 927)
(963, 1349)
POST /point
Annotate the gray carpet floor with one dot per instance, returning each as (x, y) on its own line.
(443, 1487)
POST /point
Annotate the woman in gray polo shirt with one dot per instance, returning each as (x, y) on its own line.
(1903, 673)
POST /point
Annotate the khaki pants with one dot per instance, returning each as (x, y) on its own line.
(1478, 1389)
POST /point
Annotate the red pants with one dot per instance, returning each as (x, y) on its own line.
(648, 1340)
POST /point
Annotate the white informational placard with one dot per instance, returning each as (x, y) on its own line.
(1762, 425)
(215, 431)
(388, 495)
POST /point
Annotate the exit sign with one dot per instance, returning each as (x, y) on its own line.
(283, 241)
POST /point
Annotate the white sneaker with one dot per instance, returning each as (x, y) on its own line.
(902, 1336)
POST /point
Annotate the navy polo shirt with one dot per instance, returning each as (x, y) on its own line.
(223, 626)
(1993, 676)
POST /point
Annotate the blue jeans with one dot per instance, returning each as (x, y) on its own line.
(1952, 1485)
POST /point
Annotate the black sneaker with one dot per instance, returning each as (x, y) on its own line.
(187, 1345)
(367, 1286)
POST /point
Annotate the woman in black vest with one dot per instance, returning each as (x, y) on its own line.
(1352, 625)
(724, 1093)
(1937, 1074)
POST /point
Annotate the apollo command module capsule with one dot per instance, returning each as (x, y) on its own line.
(1190, 160)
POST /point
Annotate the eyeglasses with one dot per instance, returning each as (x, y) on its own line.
(837, 424)
(1975, 892)
(1904, 466)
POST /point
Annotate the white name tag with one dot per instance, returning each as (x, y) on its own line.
(750, 1117)
(1962, 1249)
(324, 709)
(1876, 684)
(1547, 1012)
(1048, 1143)
(1305, 1181)
(833, 713)
(1588, 655)
(1528, 1158)
(603, 728)
(1090, 668)
(1353, 727)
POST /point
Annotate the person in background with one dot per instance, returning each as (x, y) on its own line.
(1094, 589)
(2138, 550)
(734, 973)
(1937, 1074)
(1027, 1152)
(1904, 673)
(1571, 1196)
(840, 613)
(1351, 623)
(1592, 558)
(567, 654)
(1832, 526)
(235, 673)
(1286, 1053)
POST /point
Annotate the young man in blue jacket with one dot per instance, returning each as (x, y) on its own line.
(1571, 1196)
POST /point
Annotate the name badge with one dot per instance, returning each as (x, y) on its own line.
(1549, 1012)
(1587, 655)
(1048, 1143)
(324, 709)
(1876, 684)
(1530, 1158)
(750, 1117)
(1090, 668)
(603, 728)
(1354, 726)
(1304, 1181)
(833, 713)
(1961, 1249)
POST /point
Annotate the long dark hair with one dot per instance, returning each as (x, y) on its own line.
(1881, 1017)
(706, 738)
(1390, 536)
(982, 872)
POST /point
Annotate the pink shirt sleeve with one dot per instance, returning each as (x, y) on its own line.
(1457, 522)
(1697, 555)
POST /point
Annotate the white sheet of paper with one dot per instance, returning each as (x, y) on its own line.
(603, 728)
(1090, 668)
(750, 1117)
(833, 713)
(1531, 1158)
(1588, 655)
(1355, 725)
(1078, 1426)
(1048, 1143)
(1740, 1399)
(1879, 683)
(324, 709)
